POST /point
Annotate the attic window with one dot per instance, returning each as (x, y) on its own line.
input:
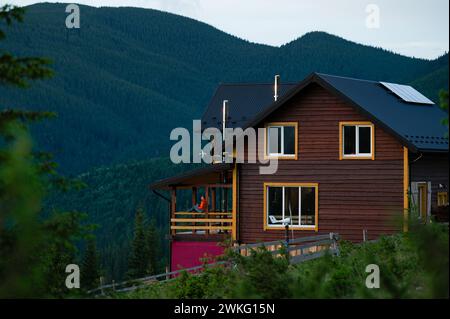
(281, 140)
(357, 140)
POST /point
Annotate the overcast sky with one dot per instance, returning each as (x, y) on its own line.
(412, 27)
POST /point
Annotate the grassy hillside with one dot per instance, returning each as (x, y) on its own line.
(130, 75)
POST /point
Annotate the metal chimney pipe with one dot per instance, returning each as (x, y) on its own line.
(224, 117)
(276, 85)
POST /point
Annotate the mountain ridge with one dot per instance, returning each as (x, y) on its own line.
(130, 75)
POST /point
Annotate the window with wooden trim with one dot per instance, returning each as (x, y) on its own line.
(281, 140)
(357, 140)
(442, 199)
(292, 204)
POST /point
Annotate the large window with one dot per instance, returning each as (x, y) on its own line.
(294, 204)
(356, 140)
(281, 140)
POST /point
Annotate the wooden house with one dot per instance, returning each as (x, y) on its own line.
(355, 156)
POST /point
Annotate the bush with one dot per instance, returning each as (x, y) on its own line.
(412, 265)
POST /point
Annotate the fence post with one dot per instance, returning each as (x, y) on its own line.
(334, 244)
(101, 285)
(114, 285)
(364, 235)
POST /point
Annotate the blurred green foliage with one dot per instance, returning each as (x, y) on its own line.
(35, 248)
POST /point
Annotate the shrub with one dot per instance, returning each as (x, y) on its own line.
(412, 265)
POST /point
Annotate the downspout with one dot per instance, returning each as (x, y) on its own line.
(410, 174)
(170, 240)
(236, 203)
(410, 167)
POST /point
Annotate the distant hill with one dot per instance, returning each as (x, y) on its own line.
(130, 75)
(436, 79)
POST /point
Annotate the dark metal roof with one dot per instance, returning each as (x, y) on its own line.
(203, 175)
(244, 102)
(417, 126)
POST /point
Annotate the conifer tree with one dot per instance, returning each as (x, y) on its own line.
(90, 270)
(138, 260)
(152, 238)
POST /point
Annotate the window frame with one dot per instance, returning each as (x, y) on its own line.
(314, 227)
(369, 156)
(442, 198)
(266, 141)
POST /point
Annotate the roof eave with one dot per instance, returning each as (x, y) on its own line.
(431, 150)
(177, 180)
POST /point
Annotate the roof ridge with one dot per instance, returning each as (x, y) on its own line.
(347, 77)
(255, 83)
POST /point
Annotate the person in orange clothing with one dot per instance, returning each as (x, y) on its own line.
(200, 208)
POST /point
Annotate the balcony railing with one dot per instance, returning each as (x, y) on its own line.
(204, 222)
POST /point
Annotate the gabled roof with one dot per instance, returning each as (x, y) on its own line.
(417, 126)
(245, 101)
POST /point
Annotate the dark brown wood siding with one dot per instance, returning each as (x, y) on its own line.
(353, 194)
(430, 167)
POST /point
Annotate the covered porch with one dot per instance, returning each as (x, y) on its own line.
(216, 183)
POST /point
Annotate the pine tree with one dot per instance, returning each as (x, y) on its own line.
(138, 260)
(152, 238)
(90, 270)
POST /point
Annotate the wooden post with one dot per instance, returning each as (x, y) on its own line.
(194, 202)
(207, 207)
(225, 199)
(173, 207)
(213, 199)
(101, 285)
(405, 188)
(234, 199)
(194, 195)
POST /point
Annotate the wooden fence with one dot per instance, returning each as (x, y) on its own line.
(299, 249)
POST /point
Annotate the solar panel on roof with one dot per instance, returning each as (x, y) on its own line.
(407, 93)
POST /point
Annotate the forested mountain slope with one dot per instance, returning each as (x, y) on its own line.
(130, 75)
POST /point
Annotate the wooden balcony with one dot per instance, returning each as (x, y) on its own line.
(216, 219)
(217, 183)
